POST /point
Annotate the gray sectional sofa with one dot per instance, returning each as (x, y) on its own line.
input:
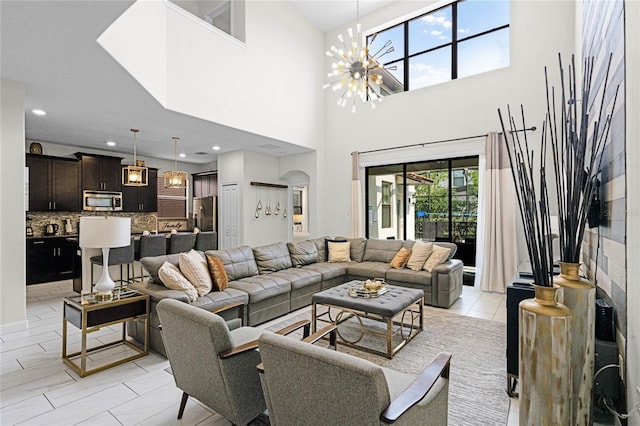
(275, 279)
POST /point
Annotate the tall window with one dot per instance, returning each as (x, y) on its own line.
(463, 38)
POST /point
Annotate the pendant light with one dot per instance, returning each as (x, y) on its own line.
(175, 178)
(135, 175)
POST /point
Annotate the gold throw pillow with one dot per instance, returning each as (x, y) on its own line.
(218, 274)
(401, 258)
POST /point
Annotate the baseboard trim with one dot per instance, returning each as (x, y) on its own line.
(14, 327)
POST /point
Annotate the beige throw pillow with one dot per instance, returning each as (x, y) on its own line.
(420, 252)
(172, 278)
(439, 255)
(339, 251)
(194, 268)
(401, 258)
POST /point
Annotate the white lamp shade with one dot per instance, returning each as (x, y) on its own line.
(101, 231)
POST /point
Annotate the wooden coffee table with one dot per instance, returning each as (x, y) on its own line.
(400, 310)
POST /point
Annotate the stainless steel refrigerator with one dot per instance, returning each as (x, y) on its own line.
(205, 213)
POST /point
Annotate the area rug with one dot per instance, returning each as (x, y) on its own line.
(478, 367)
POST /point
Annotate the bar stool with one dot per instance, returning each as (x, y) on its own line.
(151, 245)
(207, 240)
(117, 256)
(181, 242)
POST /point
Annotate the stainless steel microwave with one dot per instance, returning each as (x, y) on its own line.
(101, 200)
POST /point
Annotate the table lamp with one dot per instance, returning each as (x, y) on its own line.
(104, 233)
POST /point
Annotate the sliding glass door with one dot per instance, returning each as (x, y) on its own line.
(429, 200)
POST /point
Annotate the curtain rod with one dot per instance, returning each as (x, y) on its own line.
(422, 144)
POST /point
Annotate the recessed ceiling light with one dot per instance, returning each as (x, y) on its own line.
(182, 155)
(111, 143)
(216, 148)
(39, 111)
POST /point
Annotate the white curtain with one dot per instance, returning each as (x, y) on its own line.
(356, 196)
(497, 251)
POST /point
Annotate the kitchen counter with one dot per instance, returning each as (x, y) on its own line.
(36, 237)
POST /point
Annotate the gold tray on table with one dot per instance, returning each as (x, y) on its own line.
(369, 289)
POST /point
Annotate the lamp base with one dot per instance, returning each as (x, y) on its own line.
(103, 297)
(105, 285)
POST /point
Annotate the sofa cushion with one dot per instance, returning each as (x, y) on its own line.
(408, 276)
(401, 258)
(239, 262)
(303, 253)
(357, 247)
(172, 278)
(299, 277)
(328, 270)
(321, 248)
(338, 251)
(381, 250)
(452, 246)
(420, 252)
(439, 255)
(217, 299)
(194, 267)
(261, 287)
(220, 280)
(272, 257)
(367, 270)
(153, 263)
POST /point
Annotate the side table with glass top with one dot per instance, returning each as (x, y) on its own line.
(90, 315)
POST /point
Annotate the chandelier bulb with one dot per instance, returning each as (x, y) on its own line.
(340, 38)
(350, 31)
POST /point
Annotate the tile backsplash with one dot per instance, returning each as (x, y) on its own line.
(139, 221)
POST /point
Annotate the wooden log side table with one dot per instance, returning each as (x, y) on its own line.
(89, 315)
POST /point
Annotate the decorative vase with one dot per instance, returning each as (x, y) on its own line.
(579, 295)
(545, 360)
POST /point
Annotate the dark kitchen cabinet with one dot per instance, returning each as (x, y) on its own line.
(142, 198)
(50, 259)
(54, 184)
(100, 172)
(205, 184)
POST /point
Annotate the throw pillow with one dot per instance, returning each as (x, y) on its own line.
(194, 268)
(401, 258)
(338, 251)
(218, 273)
(438, 256)
(420, 252)
(172, 278)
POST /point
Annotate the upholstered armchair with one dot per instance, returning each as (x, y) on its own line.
(311, 385)
(212, 363)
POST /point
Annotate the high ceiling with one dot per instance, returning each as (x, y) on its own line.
(90, 99)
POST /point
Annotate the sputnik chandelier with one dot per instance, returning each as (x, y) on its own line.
(355, 69)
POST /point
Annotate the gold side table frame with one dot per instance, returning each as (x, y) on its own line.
(91, 317)
(410, 318)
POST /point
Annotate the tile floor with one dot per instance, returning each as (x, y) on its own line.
(36, 388)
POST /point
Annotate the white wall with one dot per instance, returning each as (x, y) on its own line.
(632, 103)
(13, 308)
(265, 229)
(302, 170)
(271, 85)
(459, 108)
